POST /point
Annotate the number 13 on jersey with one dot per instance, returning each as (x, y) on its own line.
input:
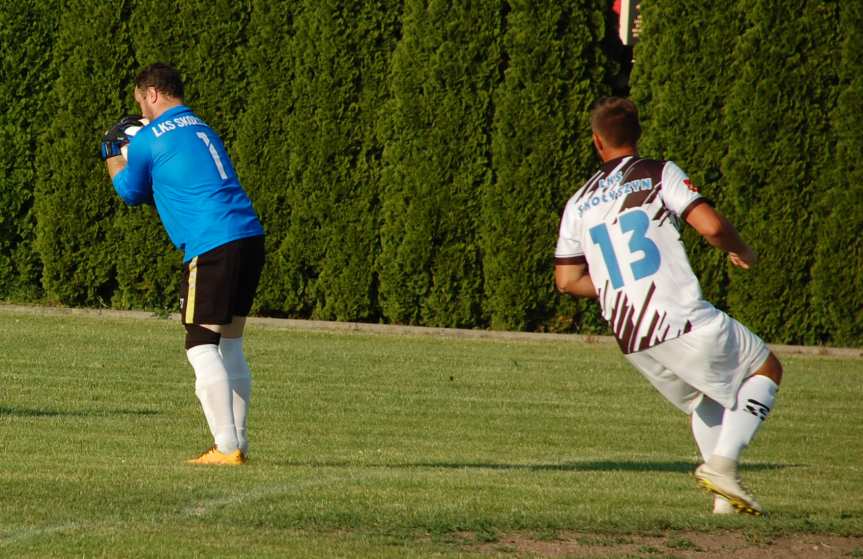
(635, 222)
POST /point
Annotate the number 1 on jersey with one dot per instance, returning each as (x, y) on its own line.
(214, 154)
(636, 222)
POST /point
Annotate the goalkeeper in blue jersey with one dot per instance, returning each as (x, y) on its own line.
(179, 164)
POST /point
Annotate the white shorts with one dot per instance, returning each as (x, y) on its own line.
(713, 359)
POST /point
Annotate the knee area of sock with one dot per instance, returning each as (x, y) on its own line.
(231, 348)
(198, 335)
(202, 357)
(708, 411)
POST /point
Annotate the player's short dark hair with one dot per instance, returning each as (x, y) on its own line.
(164, 77)
(615, 119)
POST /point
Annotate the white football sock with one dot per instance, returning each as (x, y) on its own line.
(754, 402)
(706, 424)
(240, 379)
(214, 393)
(722, 506)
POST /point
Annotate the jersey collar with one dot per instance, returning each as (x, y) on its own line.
(612, 164)
(170, 113)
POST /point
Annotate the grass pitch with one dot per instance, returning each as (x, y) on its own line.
(386, 446)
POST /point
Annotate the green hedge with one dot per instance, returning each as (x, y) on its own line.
(781, 152)
(436, 129)
(541, 152)
(409, 158)
(75, 205)
(319, 196)
(27, 32)
(263, 154)
(837, 289)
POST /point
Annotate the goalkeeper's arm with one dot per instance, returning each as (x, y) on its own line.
(134, 188)
(115, 165)
(131, 179)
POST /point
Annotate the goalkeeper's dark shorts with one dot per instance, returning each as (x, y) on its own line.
(221, 283)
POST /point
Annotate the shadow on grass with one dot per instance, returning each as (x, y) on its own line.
(598, 466)
(28, 412)
(586, 466)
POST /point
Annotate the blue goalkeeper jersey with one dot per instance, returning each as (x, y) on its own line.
(179, 164)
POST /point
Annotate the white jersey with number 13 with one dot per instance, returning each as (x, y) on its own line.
(624, 223)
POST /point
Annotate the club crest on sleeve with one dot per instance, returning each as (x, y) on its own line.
(691, 186)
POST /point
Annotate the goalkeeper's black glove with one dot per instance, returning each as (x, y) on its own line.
(115, 138)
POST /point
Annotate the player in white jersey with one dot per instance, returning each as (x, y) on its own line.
(620, 243)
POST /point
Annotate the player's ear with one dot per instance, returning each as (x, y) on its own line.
(152, 94)
(597, 142)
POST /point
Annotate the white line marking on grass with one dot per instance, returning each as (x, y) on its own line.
(207, 506)
(198, 510)
(24, 534)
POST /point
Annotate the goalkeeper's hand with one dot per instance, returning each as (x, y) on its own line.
(115, 138)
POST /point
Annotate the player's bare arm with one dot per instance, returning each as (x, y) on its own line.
(574, 279)
(720, 233)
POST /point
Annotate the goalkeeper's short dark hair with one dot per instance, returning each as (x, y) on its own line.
(615, 119)
(164, 77)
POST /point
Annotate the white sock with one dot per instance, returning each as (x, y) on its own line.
(706, 424)
(214, 393)
(754, 402)
(240, 380)
(722, 506)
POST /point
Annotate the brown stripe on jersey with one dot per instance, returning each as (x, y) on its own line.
(664, 334)
(625, 330)
(590, 186)
(614, 309)
(643, 169)
(618, 311)
(604, 293)
(686, 329)
(634, 200)
(645, 341)
(661, 322)
(630, 342)
(628, 330)
(595, 186)
(601, 293)
(626, 169)
(663, 215)
(610, 165)
(660, 213)
(623, 320)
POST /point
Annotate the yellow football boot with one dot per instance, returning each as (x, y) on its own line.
(728, 487)
(213, 456)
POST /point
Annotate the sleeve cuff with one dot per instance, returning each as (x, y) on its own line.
(695, 203)
(569, 260)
